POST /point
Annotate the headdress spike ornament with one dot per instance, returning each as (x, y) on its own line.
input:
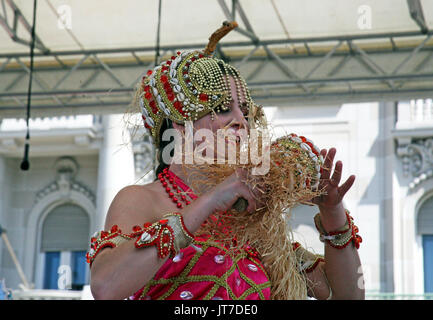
(217, 35)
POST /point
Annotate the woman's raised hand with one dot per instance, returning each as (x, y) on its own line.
(334, 193)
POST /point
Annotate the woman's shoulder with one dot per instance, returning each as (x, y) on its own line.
(139, 192)
(133, 205)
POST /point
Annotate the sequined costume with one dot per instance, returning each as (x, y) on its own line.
(200, 271)
(208, 274)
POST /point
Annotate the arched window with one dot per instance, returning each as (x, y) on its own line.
(425, 229)
(64, 241)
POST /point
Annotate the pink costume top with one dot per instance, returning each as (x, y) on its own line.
(201, 271)
(209, 273)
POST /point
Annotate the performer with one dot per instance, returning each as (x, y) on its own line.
(165, 240)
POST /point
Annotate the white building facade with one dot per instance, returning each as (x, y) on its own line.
(77, 165)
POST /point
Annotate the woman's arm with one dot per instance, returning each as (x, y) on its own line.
(112, 268)
(342, 267)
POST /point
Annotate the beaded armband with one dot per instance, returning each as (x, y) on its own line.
(307, 260)
(169, 235)
(182, 237)
(108, 239)
(342, 237)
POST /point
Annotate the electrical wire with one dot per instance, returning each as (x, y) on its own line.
(158, 34)
(25, 164)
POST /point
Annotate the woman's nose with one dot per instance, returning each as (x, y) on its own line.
(240, 118)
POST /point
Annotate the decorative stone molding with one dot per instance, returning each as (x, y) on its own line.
(417, 159)
(66, 170)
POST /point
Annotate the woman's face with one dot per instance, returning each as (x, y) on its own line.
(233, 120)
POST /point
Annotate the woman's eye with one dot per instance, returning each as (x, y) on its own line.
(224, 109)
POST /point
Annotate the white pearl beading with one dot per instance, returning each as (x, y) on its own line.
(180, 95)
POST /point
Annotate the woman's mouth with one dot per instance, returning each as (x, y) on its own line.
(232, 134)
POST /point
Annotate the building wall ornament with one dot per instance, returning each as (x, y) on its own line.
(66, 171)
(144, 159)
(417, 159)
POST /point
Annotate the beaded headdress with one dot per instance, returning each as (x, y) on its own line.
(190, 85)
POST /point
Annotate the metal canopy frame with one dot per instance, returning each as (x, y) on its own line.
(335, 69)
(18, 20)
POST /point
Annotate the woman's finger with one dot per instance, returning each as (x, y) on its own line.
(249, 193)
(252, 202)
(327, 164)
(245, 200)
(336, 176)
(330, 157)
(346, 186)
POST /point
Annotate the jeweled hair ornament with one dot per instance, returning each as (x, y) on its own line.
(190, 85)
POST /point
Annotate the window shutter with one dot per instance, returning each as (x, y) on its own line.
(66, 228)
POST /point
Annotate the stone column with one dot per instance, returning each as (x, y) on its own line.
(3, 219)
(387, 119)
(116, 165)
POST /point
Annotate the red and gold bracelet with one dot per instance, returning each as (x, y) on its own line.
(168, 234)
(340, 238)
(183, 238)
(158, 234)
(307, 260)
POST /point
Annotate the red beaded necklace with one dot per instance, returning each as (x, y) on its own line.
(177, 186)
(177, 183)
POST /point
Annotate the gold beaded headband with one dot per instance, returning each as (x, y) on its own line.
(188, 86)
